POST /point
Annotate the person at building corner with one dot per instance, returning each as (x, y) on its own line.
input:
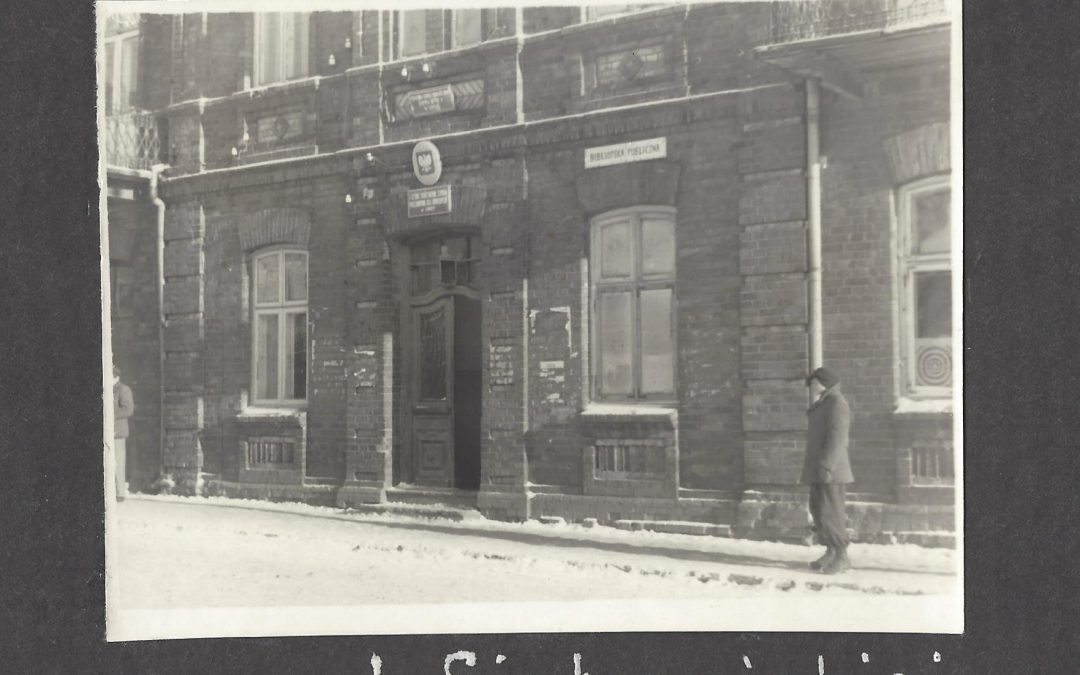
(827, 470)
(123, 408)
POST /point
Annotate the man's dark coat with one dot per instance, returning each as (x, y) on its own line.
(829, 421)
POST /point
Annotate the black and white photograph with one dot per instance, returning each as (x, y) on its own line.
(483, 317)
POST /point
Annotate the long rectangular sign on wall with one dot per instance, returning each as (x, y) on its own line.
(429, 201)
(621, 153)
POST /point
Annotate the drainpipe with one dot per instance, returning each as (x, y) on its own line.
(813, 219)
(155, 173)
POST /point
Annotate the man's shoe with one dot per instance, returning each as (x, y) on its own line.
(837, 565)
(824, 560)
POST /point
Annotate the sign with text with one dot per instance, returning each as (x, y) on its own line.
(431, 201)
(622, 153)
(427, 101)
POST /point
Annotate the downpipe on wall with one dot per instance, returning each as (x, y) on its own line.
(155, 198)
(813, 221)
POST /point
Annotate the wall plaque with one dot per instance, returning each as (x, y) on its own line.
(427, 101)
(429, 201)
(622, 153)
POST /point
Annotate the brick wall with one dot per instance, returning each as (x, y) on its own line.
(857, 281)
(135, 340)
(773, 293)
(741, 206)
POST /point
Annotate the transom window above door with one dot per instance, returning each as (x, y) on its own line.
(447, 261)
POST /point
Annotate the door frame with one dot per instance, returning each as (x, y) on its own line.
(410, 364)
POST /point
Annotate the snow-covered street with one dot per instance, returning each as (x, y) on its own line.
(176, 553)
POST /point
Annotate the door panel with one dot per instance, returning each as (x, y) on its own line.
(467, 324)
(433, 387)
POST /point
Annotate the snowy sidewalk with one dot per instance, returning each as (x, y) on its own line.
(879, 569)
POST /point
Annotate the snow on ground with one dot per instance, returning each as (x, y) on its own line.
(204, 553)
(885, 557)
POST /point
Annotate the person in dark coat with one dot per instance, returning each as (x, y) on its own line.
(123, 408)
(827, 470)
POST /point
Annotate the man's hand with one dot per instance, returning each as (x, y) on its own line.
(825, 475)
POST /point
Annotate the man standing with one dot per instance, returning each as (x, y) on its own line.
(828, 471)
(123, 407)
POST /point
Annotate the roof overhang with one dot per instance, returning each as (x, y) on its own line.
(840, 61)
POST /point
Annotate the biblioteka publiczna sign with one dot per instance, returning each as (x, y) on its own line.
(622, 153)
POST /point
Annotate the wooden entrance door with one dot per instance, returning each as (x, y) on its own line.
(433, 387)
(443, 359)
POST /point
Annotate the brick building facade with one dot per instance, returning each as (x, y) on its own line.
(542, 261)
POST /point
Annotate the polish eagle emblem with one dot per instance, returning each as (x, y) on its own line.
(424, 161)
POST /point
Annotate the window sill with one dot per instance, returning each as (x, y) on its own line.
(629, 410)
(909, 406)
(268, 411)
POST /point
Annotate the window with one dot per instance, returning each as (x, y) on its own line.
(925, 282)
(600, 11)
(281, 46)
(412, 32)
(467, 27)
(121, 71)
(595, 12)
(632, 267)
(280, 334)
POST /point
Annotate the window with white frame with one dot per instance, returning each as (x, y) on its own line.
(412, 32)
(632, 324)
(281, 46)
(925, 289)
(121, 70)
(279, 326)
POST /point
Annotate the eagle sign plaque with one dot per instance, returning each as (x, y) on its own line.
(426, 163)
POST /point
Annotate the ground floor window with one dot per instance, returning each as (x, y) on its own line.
(925, 288)
(632, 271)
(279, 325)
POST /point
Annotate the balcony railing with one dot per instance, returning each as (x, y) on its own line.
(809, 19)
(132, 140)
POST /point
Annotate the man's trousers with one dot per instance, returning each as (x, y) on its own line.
(827, 510)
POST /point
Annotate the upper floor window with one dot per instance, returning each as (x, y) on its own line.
(925, 288)
(281, 46)
(280, 329)
(121, 69)
(412, 32)
(632, 269)
(594, 12)
(466, 27)
(422, 31)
